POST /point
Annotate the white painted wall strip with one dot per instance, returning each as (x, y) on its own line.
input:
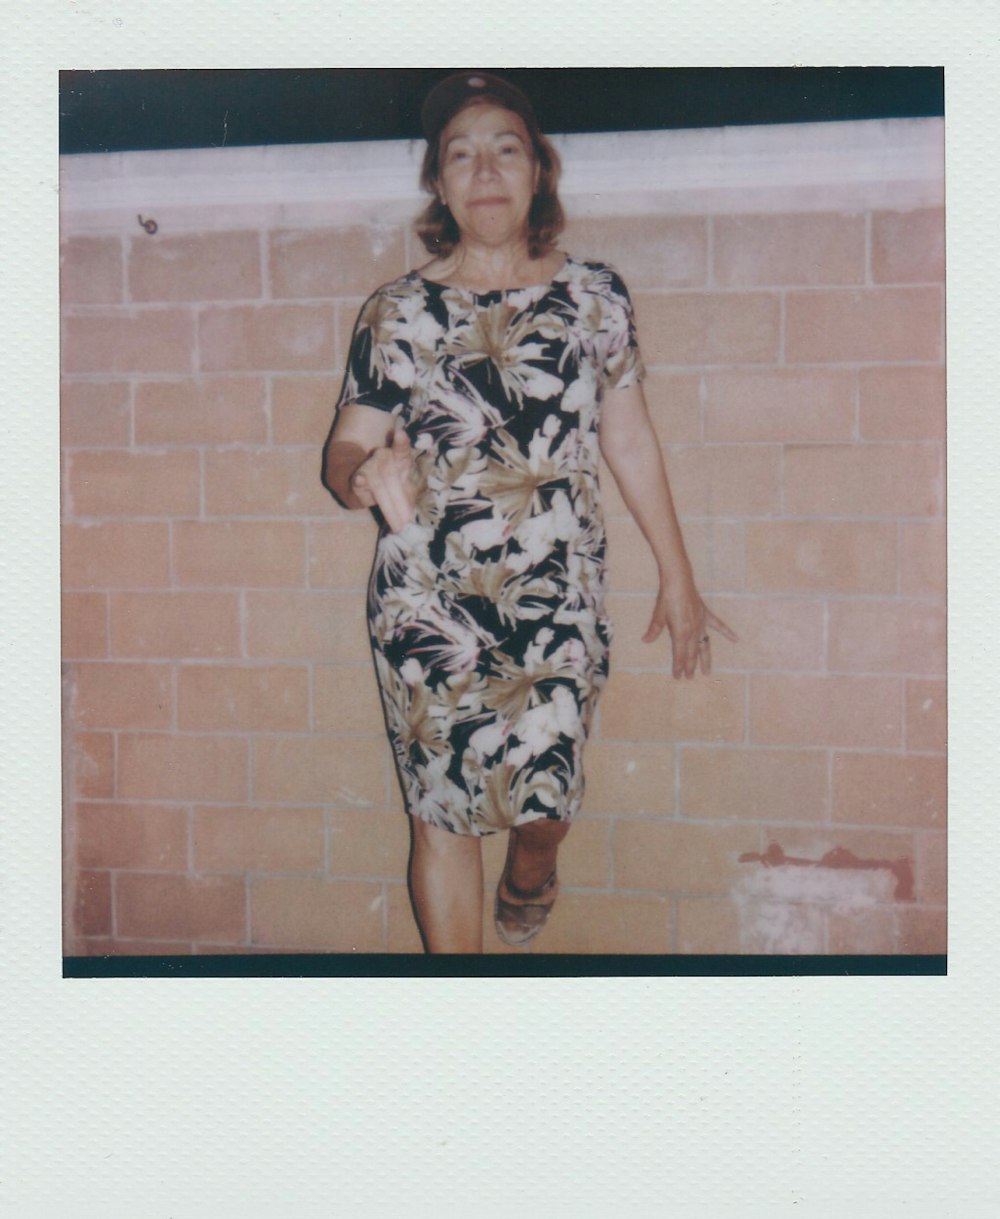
(795, 167)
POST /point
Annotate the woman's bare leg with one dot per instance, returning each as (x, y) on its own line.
(534, 856)
(446, 882)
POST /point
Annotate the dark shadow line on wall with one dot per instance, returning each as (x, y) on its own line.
(539, 965)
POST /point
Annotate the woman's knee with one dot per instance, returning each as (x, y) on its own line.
(432, 841)
(541, 834)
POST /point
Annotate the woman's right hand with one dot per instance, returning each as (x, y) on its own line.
(387, 479)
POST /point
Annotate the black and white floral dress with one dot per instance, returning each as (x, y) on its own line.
(486, 613)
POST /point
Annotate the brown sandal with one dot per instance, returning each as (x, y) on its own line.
(519, 915)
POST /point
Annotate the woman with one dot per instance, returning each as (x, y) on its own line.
(480, 392)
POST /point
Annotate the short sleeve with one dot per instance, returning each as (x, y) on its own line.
(623, 365)
(380, 368)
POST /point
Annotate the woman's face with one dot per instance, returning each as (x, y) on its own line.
(488, 173)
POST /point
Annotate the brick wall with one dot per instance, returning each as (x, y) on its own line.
(228, 786)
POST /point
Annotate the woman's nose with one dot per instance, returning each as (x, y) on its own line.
(485, 164)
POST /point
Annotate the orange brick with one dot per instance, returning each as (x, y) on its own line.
(201, 410)
(926, 715)
(585, 854)
(92, 762)
(932, 869)
(325, 915)
(333, 262)
(921, 930)
(341, 551)
(239, 553)
(258, 839)
(654, 707)
(125, 483)
(312, 626)
(629, 778)
(650, 252)
(175, 625)
(90, 271)
(867, 326)
(344, 772)
(346, 700)
(902, 403)
(94, 414)
(369, 843)
(631, 566)
(680, 857)
(870, 931)
(107, 695)
(131, 836)
(195, 267)
(168, 766)
(821, 556)
(715, 548)
(150, 905)
(674, 402)
(864, 480)
(887, 637)
(604, 923)
(908, 247)
(302, 408)
(890, 789)
(401, 934)
(143, 340)
(116, 554)
(346, 314)
(92, 904)
(726, 480)
(779, 404)
(774, 633)
(848, 711)
(708, 328)
(811, 248)
(84, 626)
(265, 482)
(755, 784)
(143, 948)
(630, 613)
(923, 568)
(708, 925)
(279, 337)
(252, 698)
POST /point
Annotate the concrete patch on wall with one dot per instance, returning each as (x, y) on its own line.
(784, 901)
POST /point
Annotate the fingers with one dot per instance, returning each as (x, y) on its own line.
(687, 656)
(655, 628)
(716, 623)
(385, 479)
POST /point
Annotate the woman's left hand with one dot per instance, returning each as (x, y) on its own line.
(681, 610)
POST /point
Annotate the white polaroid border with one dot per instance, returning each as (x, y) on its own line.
(805, 1097)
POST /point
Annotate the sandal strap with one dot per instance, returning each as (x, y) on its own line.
(527, 895)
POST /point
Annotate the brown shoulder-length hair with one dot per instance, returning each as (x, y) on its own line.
(436, 226)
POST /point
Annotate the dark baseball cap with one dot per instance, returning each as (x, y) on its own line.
(450, 94)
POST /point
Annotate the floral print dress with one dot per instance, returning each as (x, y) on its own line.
(486, 612)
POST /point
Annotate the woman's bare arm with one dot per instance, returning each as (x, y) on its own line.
(631, 448)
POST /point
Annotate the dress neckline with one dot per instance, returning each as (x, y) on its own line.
(498, 293)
